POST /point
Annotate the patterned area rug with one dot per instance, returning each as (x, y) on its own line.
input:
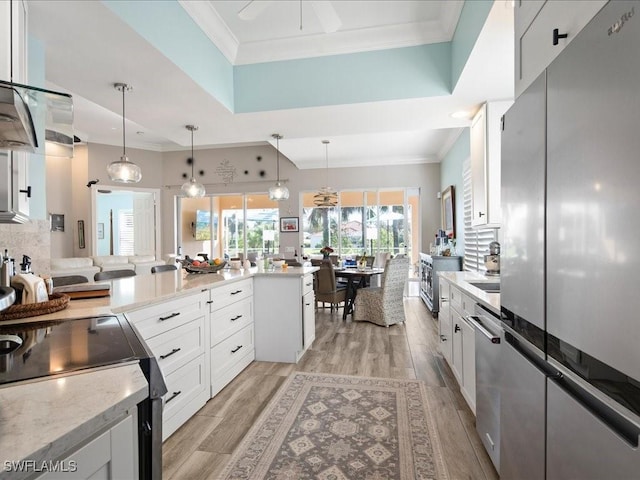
(334, 427)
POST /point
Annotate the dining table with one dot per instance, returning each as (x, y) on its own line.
(356, 279)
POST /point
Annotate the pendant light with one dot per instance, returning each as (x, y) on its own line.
(192, 188)
(326, 196)
(124, 171)
(278, 192)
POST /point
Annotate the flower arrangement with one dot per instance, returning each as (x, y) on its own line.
(326, 251)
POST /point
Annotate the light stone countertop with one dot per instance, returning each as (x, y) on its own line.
(41, 420)
(462, 279)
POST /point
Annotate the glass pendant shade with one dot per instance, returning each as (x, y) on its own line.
(193, 188)
(124, 171)
(326, 196)
(278, 192)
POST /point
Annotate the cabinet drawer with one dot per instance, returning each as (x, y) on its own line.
(468, 305)
(183, 386)
(307, 284)
(179, 345)
(231, 350)
(455, 297)
(230, 319)
(154, 320)
(228, 294)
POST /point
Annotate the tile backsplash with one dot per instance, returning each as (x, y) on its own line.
(32, 239)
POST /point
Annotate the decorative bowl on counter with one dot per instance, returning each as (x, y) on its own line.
(277, 263)
(203, 267)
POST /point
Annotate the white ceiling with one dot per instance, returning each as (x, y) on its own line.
(88, 48)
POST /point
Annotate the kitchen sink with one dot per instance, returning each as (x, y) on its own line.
(489, 287)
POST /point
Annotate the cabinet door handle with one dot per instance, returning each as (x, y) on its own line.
(175, 314)
(27, 191)
(444, 300)
(307, 304)
(175, 394)
(236, 318)
(172, 352)
(209, 302)
(457, 328)
(236, 349)
(236, 292)
(557, 36)
(443, 338)
(480, 214)
(308, 284)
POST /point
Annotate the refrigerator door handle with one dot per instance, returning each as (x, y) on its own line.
(627, 430)
(477, 324)
(538, 362)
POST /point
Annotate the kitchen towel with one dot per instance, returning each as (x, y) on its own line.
(34, 289)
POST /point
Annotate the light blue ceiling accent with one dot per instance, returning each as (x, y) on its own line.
(167, 26)
(472, 18)
(398, 73)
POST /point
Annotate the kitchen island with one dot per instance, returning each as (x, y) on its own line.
(203, 310)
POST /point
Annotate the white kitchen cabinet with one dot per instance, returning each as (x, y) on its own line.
(444, 321)
(112, 455)
(14, 189)
(232, 337)
(13, 38)
(176, 332)
(485, 164)
(285, 324)
(463, 350)
(535, 22)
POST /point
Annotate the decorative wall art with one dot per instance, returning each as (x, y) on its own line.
(289, 224)
(448, 211)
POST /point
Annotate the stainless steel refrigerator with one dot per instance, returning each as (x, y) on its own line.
(570, 296)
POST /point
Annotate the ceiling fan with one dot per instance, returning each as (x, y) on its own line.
(324, 11)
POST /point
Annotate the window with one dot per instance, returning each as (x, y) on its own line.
(125, 233)
(229, 226)
(476, 240)
(372, 220)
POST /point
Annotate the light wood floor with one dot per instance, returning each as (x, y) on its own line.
(201, 448)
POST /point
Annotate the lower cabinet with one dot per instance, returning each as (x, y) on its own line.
(175, 331)
(112, 455)
(231, 339)
(457, 338)
(284, 318)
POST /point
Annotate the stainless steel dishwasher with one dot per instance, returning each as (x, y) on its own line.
(489, 337)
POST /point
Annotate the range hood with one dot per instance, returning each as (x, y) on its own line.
(31, 117)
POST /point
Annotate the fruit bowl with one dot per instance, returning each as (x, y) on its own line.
(203, 268)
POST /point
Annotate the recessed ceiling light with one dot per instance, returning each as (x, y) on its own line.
(461, 114)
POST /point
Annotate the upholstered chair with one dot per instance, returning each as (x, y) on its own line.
(384, 305)
(326, 288)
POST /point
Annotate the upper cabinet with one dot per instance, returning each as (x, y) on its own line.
(542, 30)
(485, 164)
(13, 38)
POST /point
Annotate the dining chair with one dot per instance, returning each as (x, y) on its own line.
(68, 280)
(326, 287)
(384, 305)
(380, 260)
(111, 274)
(163, 268)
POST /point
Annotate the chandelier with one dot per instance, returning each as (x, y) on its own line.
(326, 196)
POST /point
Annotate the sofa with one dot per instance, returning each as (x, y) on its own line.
(89, 266)
(83, 266)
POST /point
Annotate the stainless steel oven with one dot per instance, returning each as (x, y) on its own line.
(31, 351)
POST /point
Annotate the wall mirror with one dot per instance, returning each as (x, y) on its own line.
(448, 211)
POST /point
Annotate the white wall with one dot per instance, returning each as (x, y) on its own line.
(164, 170)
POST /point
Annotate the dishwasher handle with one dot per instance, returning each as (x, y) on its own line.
(477, 324)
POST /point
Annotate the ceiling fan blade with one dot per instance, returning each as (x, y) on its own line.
(327, 16)
(252, 9)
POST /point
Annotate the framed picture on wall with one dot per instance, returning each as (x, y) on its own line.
(289, 224)
(81, 234)
(448, 211)
(57, 222)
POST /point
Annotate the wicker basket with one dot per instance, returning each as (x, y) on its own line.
(57, 302)
(208, 269)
